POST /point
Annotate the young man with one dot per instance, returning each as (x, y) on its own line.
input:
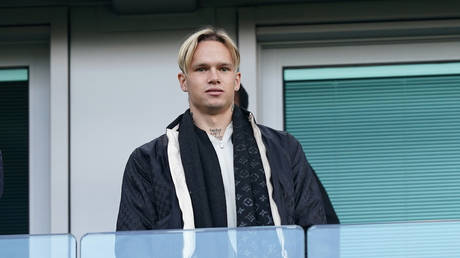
(215, 167)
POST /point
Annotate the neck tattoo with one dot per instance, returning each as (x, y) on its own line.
(216, 132)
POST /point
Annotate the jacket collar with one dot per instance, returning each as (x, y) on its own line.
(177, 121)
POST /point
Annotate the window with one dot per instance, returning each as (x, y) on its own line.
(384, 139)
(14, 143)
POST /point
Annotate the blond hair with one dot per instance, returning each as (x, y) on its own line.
(188, 48)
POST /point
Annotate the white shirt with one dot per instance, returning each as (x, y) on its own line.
(224, 151)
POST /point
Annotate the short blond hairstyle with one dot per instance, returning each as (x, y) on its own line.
(188, 48)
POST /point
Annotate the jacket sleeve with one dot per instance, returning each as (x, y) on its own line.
(136, 210)
(309, 206)
(331, 215)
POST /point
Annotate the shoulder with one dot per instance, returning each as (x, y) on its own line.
(149, 154)
(154, 147)
(282, 143)
(281, 138)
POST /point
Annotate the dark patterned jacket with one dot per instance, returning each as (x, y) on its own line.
(149, 199)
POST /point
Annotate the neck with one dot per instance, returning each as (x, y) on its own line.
(214, 124)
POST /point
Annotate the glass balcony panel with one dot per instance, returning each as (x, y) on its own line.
(286, 241)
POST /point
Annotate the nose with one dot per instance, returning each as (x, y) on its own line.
(213, 76)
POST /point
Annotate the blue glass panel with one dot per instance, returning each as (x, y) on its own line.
(286, 241)
(396, 240)
(38, 246)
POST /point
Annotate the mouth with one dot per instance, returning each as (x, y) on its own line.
(214, 91)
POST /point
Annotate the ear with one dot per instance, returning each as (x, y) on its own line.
(182, 81)
(237, 81)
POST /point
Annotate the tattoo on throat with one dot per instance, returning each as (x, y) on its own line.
(216, 132)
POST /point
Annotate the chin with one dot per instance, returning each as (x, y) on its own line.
(216, 109)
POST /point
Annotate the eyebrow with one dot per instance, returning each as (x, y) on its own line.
(200, 65)
(206, 65)
(225, 64)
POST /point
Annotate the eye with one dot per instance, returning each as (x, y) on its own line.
(200, 69)
(224, 69)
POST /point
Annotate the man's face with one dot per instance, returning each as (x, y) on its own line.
(211, 80)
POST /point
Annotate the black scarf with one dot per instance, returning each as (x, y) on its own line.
(204, 179)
